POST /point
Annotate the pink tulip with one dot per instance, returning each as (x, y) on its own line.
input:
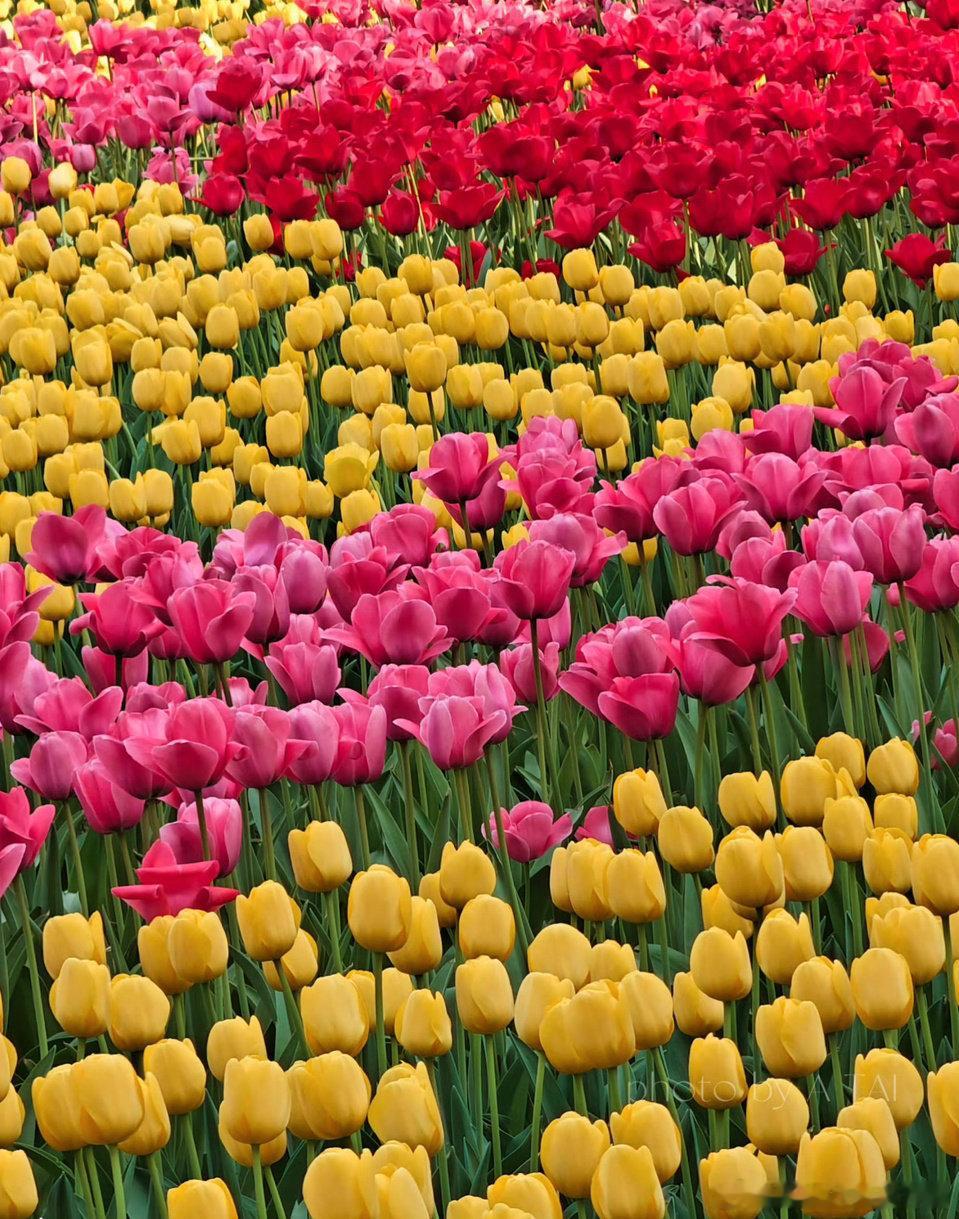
(891, 542)
(196, 746)
(101, 668)
(65, 547)
(264, 733)
(935, 586)
(458, 465)
(581, 536)
(865, 402)
(52, 765)
(779, 488)
(454, 729)
(224, 827)
(691, 516)
(633, 647)
(69, 706)
(303, 571)
(531, 830)
(262, 544)
(313, 725)
(831, 597)
(932, 429)
(485, 682)
(23, 679)
(305, 671)
(460, 593)
(409, 534)
(740, 620)
(627, 506)
(357, 566)
(18, 608)
(21, 828)
(596, 825)
(945, 489)
(394, 627)
(831, 537)
(517, 665)
(398, 690)
(782, 429)
(167, 886)
(211, 619)
(741, 526)
(121, 625)
(643, 708)
(533, 579)
(360, 744)
(106, 806)
(271, 606)
(119, 752)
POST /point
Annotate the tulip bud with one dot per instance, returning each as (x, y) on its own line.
(197, 946)
(560, 950)
(634, 886)
(716, 1074)
(745, 800)
(685, 839)
(423, 948)
(329, 1097)
(268, 922)
(18, 1189)
(587, 862)
(720, 964)
(256, 1100)
(625, 1185)
(650, 1007)
(873, 1115)
(139, 1011)
(886, 1074)
(153, 943)
(943, 1087)
(484, 995)
(749, 868)
(466, 871)
(935, 873)
(790, 1037)
(337, 1185)
(486, 928)
(379, 910)
(882, 988)
(777, 1116)
(825, 984)
(211, 1199)
(844, 752)
(423, 1025)
(893, 767)
(807, 862)
(320, 856)
(782, 944)
(80, 998)
(806, 785)
(650, 1125)
(719, 911)
(571, 1149)
(179, 1073)
(334, 1016)
(846, 826)
(840, 1170)
(917, 935)
(592, 1030)
(153, 1133)
(110, 1098)
(579, 270)
(891, 811)
(696, 1012)
(638, 802)
(300, 964)
(404, 1108)
(236, 1038)
(733, 1184)
(73, 935)
(538, 992)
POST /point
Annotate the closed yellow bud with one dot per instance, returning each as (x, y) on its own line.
(733, 1183)
(807, 862)
(466, 871)
(320, 856)
(685, 839)
(886, 1074)
(650, 1007)
(625, 1185)
(887, 861)
(634, 886)
(110, 1098)
(720, 964)
(222, 327)
(592, 1030)
(538, 992)
(18, 1189)
(56, 1104)
(153, 1133)
(236, 1038)
(860, 285)
(570, 1152)
(840, 1172)
(139, 1011)
(749, 868)
(873, 1115)
(300, 964)
(404, 1109)
(777, 1116)
(719, 911)
(423, 1025)
(935, 873)
(806, 785)
(648, 384)
(782, 944)
(844, 752)
(80, 999)
(716, 1074)
(484, 995)
(790, 1037)
(893, 767)
(825, 984)
(73, 935)
(329, 1097)
(747, 800)
(560, 950)
(180, 1074)
(379, 910)
(587, 862)
(334, 1015)
(882, 988)
(256, 1100)
(268, 922)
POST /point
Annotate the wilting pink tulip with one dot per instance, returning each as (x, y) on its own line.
(533, 579)
(644, 708)
(19, 827)
(196, 746)
(865, 403)
(52, 765)
(65, 547)
(458, 465)
(739, 619)
(408, 532)
(935, 586)
(581, 536)
(455, 730)
(305, 671)
(691, 516)
(121, 625)
(393, 627)
(398, 690)
(167, 886)
(517, 665)
(313, 725)
(361, 743)
(891, 542)
(69, 706)
(831, 597)
(530, 829)
(224, 827)
(782, 429)
(357, 566)
(106, 806)
(267, 748)
(211, 619)
(628, 505)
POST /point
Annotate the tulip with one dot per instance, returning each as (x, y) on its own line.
(719, 911)
(179, 1073)
(591, 1030)
(625, 1185)
(846, 825)
(562, 951)
(404, 1108)
(18, 1189)
(805, 786)
(329, 1097)
(720, 965)
(935, 879)
(638, 802)
(782, 944)
(841, 1172)
(807, 863)
(873, 1115)
(336, 1185)
(80, 998)
(650, 1125)
(334, 1016)
(256, 1100)
(56, 1103)
(531, 1193)
(696, 1013)
(651, 1008)
(942, 1087)
(73, 935)
(320, 856)
(634, 886)
(422, 1025)
(153, 1133)
(777, 1116)
(571, 1149)
(586, 866)
(139, 1011)
(917, 935)
(197, 946)
(236, 1038)
(893, 811)
(110, 1098)
(268, 922)
(716, 1074)
(749, 868)
(882, 988)
(486, 928)
(733, 1184)
(893, 767)
(380, 909)
(790, 1037)
(685, 839)
(465, 872)
(484, 995)
(300, 965)
(611, 962)
(844, 753)
(210, 1198)
(747, 800)
(423, 948)
(537, 994)
(886, 1074)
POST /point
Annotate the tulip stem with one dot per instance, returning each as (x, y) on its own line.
(266, 833)
(192, 1154)
(275, 1193)
(77, 861)
(754, 734)
(116, 1168)
(360, 804)
(378, 1004)
(519, 910)
(537, 1111)
(94, 1179)
(540, 711)
(333, 919)
(156, 1184)
(850, 901)
(201, 822)
(293, 1012)
(258, 1182)
(579, 1096)
(443, 1155)
(31, 951)
(838, 1088)
(495, 1135)
(922, 1002)
(410, 814)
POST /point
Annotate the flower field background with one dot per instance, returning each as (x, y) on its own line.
(479, 558)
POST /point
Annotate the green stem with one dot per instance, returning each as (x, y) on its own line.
(258, 1182)
(493, 1106)
(410, 814)
(31, 951)
(360, 803)
(77, 861)
(156, 1184)
(116, 1169)
(537, 1111)
(378, 1002)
